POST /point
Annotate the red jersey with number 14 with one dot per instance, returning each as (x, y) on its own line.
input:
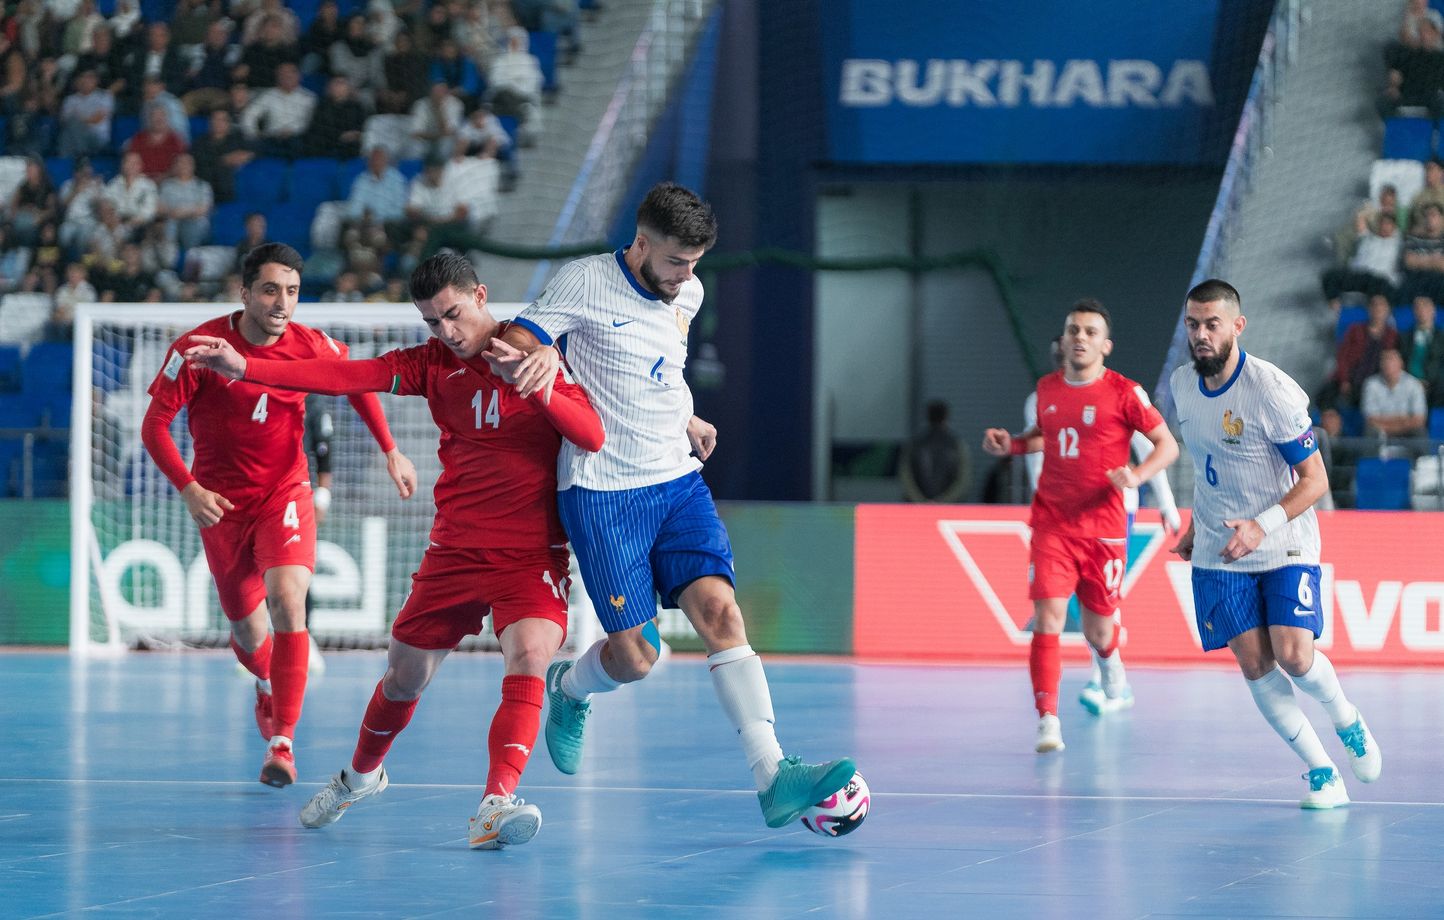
(248, 438)
(1086, 429)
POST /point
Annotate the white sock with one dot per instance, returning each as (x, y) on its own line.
(1110, 672)
(1321, 682)
(587, 676)
(264, 686)
(355, 780)
(282, 740)
(1274, 696)
(741, 686)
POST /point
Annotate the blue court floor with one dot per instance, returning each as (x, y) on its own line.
(127, 788)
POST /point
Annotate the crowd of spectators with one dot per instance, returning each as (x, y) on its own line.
(434, 95)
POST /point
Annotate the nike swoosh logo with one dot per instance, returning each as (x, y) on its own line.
(617, 325)
(375, 732)
(294, 539)
(1302, 612)
(520, 747)
(459, 370)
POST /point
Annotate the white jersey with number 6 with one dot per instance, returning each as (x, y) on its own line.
(1245, 438)
(627, 349)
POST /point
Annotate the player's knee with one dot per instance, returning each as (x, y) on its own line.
(402, 684)
(1296, 661)
(632, 656)
(530, 657)
(718, 617)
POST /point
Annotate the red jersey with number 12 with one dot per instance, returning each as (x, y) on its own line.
(1086, 429)
(248, 437)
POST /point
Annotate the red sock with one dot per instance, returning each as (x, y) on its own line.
(257, 662)
(1046, 667)
(513, 731)
(288, 679)
(383, 721)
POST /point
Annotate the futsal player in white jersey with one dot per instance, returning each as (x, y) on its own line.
(1254, 538)
(640, 519)
(1092, 696)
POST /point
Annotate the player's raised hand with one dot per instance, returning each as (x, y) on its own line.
(1184, 547)
(402, 472)
(529, 372)
(1123, 477)
(218, 355)
(1247, 535)
(703, 436)
(998, 442)
(205, 507)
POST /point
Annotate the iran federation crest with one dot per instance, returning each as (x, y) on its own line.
(1089, 414)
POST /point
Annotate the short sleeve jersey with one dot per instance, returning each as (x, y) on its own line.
(248, 438)
(498, 451)
(1245, 439)
(627, 348)
(1086, 432)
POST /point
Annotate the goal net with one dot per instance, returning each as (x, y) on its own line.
(138, 573)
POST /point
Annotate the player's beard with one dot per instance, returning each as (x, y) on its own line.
(1213, 366)
(654, 284)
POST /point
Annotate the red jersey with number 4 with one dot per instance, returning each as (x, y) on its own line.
(498, 452)
(248, 437)
(1086, 429)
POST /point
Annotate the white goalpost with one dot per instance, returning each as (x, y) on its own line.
(138, 576)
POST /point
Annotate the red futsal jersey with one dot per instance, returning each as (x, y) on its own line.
(248, 437)
(1086, 429)
(498, 485)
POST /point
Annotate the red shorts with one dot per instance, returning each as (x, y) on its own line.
(239, 549)
(455, 589)
(1093, 569)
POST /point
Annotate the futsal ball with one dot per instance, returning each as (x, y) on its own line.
(842, 812)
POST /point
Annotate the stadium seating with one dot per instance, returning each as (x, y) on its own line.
(228, 222)
(1382, 485)
(122, 129)
(1408, 139)
(543, 47)
(1404, 319)
(262, 182)
(9, 368)
(1407, 177)
(47, 369)
(1436, 424)
(313, 180)
(1350, 316)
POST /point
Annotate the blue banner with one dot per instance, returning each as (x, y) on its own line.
(1045, 81)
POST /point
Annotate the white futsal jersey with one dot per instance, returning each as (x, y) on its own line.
(1245, 438)
(627, 349)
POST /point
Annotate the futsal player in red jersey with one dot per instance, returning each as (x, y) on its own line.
(1086, 416)
(249, 488)
(497, 543)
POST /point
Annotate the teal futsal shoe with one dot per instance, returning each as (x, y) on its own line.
(798, 785)
(566, 721)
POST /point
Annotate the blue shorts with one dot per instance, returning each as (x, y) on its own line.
(635, 544)
(1228, 603)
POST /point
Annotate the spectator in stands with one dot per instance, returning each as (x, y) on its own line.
(230, 290)
(1423, 350)
(394, 291)
(1415, 12)
(431, 200)
(191, 22)
(134, 195)
(85, 118)
(433, 29)
(324, 31)
(272, 11)
(1357, 360)
(185, 205)
(358, 58)
(80, 30)
(405, 69)
(76, 289)
(219, 153)
(211, 79)
(1431, 193)
(159, 58)
(436, 118)
(1374, 267)
(253, 235)
(153, 94)
(383, 24)
(239, 98)
(107, 60)
(125, 22)
(1394, 404)
(476, 182)
(14, 83)
(345, 289)
(131, 283)
(1424, 257)
(1416, 75)
(1369, 212)
(14, 261)
(33, 204)
(934, 465)
(483, 135)
(78, 195)
(559, 16)
(30, 131)
(106, 234)
(279, 117)
(157, 145)
(262, 59)
(45, 264)
(159, 255)
(472, 33)
(337, 123)
(515, 84)
(458, 72)
(379, 193)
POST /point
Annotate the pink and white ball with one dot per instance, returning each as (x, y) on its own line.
(842, 812)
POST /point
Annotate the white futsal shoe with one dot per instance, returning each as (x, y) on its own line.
(1326, 789)
(503, 820)
(1364, 756)
(1050, 734)
(328, 805)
